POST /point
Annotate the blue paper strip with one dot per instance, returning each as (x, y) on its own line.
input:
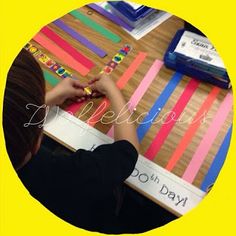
(158, 106)
(218, 162)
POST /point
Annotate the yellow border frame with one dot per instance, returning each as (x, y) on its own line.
(20, 214)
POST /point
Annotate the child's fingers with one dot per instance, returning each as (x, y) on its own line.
(78, 84)
(79, 93)
(94, 80)
(93, 87)
(91, 82)
(82, 99)
(96, 95)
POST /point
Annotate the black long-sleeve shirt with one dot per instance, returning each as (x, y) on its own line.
(79, 188)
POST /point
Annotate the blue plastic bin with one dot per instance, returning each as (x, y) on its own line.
(194, 68)
(127, 13)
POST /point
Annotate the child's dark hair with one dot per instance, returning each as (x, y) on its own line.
(25, 85)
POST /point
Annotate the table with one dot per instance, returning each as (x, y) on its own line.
(150, 177)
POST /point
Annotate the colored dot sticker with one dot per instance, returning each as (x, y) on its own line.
(65, 75)
(33, 49)
(50, 62)
(55, 67)
(107, 70)
(127, 48)
(60, 71)
(118, 58)
(123, 52)
(112, 64)
(43, 58)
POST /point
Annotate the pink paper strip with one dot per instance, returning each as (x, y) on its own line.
(208, 139)
(142, 88)
(122, 81)
(74, 107)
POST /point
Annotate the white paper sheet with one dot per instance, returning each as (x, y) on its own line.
(153, 21)
(199, 48)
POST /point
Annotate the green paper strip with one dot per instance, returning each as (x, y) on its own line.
(53, 81)
(95, 26)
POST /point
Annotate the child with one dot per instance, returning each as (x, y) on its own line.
(77, 187)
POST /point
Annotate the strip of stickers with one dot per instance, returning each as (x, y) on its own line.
(116, 60)
(48, 62)
(63, 73)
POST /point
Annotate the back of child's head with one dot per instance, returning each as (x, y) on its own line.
(25, 85)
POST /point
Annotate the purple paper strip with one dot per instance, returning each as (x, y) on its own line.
(98, 51)
(110, 16)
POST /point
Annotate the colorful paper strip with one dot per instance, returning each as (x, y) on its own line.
(74, 107)
(58, 52)
(50, 78)
(158, 106)
(142, 88)
(67, 47)
(189, 134)
(133, 67)
(217, 164)
(208, 139)
(98, 51)
(170, 122)
(47, 61)
(145, 83)
(123, 80)
(110, 16)
(95, 26)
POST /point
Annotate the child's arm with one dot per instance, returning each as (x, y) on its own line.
(66, 89)
(122, 129)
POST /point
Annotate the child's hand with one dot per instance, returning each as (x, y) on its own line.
(67, 89)
(103, 84)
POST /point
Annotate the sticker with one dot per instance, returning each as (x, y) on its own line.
(27, 46)
(118, 58)
(66, 74)
(50, 63)
(60, 71)
(127, 48)
(33, 49)
(121, 55)
(107, 70)
(55, 67)
(123, 52)
(37, 53)
(43, 58)
(112, 64)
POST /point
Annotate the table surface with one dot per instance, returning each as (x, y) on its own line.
(155, 44)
